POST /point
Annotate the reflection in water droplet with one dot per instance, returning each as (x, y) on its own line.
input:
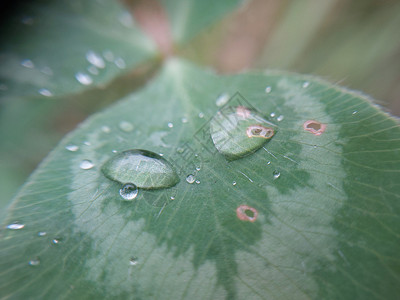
(114, 151)
(143, 168)
(354, 112)
(170, 125)
(83, 78)
(197, 181)
(86, 164)
(108, 55)
(268, 89)
(306, 84)
(126, 126)
(15, 226)
(201, 115)
(27, 63)
(129, 191)
(268, 162)
(95, 59)
(45, 92)
(222, 99)
(232, 131)
(105, 129)
(172, 198)
(93, 70)
(42, 233)
(234, 183)
(198, 168)
(276, 174)
(272, 115)
(120, 63)
(280, 118)
(133, 261)
(72, 148)
(190, 178)
(56, 241)
(34, 262)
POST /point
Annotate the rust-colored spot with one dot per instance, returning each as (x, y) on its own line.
(243, 112)
(315, 127)
(259, 131)
(246, 213)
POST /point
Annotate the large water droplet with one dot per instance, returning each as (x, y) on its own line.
(83, 78)
(15, 226)
(239, 131)
(190, 178)
(95, 59)
(145, 169)
(86, 164)
(129, 191)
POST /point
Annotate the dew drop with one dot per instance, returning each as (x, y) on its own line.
(145, 169)
(276, 174)
(197, 181)
(354, 112)
(72, 148)
(47, 71)
(129, 191)
(133, 261)
(126, 126)
(15, 226)
(86, 164)
(114, 151)
(56, 241)
(268, 162)
(42, 233)
(184, 120)
(268, 89)
(280, 118)
(120, 63)
(198, 168)
(83, 78)
(180, 150)
(234, 183)
(201, 115)
(93, 70)
(232, 131)
(190, 178)
(172, 198)
(95, 59)
(108, 55)
(45, 92)
(87, 143)
(34, 262)
(305, 84)
(272, 115)
(27, 63)
(170, 125)
(105, 129)
(222, 99)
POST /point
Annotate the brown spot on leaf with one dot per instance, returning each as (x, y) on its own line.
(315, 127)
(259, 131)
(246, 213)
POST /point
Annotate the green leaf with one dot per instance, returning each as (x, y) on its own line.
(189, 17)
(306, 216)
(58, 47)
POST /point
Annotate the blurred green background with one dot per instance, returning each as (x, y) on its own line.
(353, 43)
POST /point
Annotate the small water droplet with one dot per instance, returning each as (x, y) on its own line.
(105, 129)
(201, 115)
(108, 55)
(126, 126)
(72, 148)
(232, 131)
(276, 174)
(172, 198)
(133, 261)
(180, 150)
(93, 70)
(315, 146)
(114, 151)
(120, 63)
(268, 162)
(27, 63)
(272, 115)
(86, 164)
(280, 118)
(198, 168)
(45, 92)
(190, 178)
(34, 262)
(198, 181)
(129, 191)
(15, 226)
(170, 125)
(47, 71)
(234, 183)
(56, 241)
(143, 168)
(354, 112)
(83, 78)
(268, 89)
(87, 143)
(95, 59)
(305, 84)
(42, 233)
(222, 99)
(184, 120)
